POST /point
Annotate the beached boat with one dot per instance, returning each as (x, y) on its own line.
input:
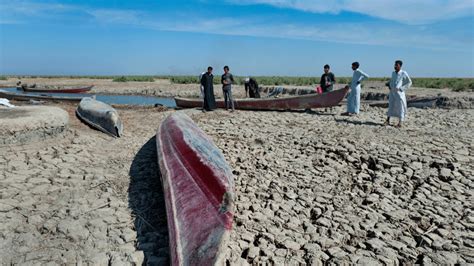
(60, 89)
(423, 102)
(199, 190)
(30, 96)
(100, 115)
(430, 102)
(327, 99)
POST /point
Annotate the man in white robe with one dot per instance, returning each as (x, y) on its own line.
(353, 99)
(397, 102)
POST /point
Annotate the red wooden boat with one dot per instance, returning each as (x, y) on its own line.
(327, 99)
(59, 90)
(199, 189)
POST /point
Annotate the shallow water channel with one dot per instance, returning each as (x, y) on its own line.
(108, 98)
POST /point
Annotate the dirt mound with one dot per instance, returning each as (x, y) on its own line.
(24, 124)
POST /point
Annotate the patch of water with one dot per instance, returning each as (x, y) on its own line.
(143, 100)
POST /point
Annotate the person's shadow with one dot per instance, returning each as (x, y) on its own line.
(318, 112)
(146, 200)
(367, 123)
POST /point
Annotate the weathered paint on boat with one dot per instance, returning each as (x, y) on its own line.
(100, 115)
(199, 191)
(327, 99)
(59, 90)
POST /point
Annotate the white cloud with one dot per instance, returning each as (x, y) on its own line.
(405, 11)
(114, 15)
(351, 33)
(391, 34)
(28, 8)
(335, 33)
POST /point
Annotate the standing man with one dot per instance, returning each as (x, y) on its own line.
(327, 79)
(208, 87)
(353, 100)
(397, 102)
(227, 80)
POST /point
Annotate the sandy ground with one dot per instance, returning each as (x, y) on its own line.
(312, 188)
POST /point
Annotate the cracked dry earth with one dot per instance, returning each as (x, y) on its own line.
(317, 188)
(84, 198)
(311, 188)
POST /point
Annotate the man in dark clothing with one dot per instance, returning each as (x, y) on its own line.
(251, 86)
(207, 84)
(227, 80)
(327, 79)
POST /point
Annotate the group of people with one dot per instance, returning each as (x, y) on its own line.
(227, 79)
(398, 84)
(207, 89)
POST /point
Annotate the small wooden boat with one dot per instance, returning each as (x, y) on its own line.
(59, 89)
(27, 97)
(327, 99)
(100, 115)
(429, 102)
(423, 102)
(199, 190)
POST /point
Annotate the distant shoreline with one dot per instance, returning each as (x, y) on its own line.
(456, 84)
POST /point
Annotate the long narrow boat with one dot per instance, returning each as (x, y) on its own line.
(30, 96)
(100, 115)
(422, 102)
(327, 99)
(59, 90)
(199, 190)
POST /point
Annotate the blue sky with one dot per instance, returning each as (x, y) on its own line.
(253, 37)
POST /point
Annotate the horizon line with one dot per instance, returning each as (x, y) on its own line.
(191, 75)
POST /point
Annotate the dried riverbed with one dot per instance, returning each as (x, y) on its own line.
(312, 187)
(316, 188)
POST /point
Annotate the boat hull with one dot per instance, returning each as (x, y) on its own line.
(429, 102)
(308, 101)
(100, 115)
(199, 191)
(63, 90)
(27, 97)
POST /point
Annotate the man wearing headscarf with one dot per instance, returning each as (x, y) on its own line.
(353, 99)
(397, 102)
(251, 87)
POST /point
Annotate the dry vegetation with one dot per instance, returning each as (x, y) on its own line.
(456, 84)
